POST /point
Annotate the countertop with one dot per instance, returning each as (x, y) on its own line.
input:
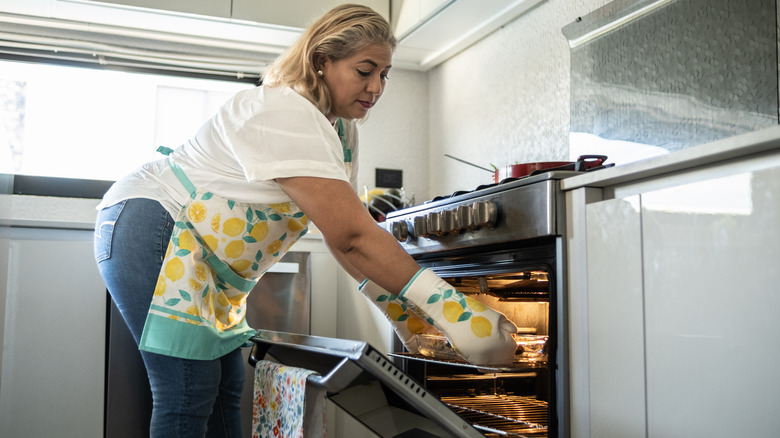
(741, 146)
(47, 212)
(63, 213)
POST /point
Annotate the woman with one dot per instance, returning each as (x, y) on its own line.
(181, 241)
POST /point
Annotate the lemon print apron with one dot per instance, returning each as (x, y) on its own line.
(218, 251)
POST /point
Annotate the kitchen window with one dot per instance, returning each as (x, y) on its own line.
(74, 122)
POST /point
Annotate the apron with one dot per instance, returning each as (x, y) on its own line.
(347, 151)
(218, 251)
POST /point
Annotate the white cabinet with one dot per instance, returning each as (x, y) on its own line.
(429, 31)
(212, 8)
(676, 286)
(292, 13)
(295, 13)
(615, 325)
(712, 300)
(53, 334)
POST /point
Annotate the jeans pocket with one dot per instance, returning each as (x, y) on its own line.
(104, 230)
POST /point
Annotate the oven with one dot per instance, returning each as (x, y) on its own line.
(502, 244)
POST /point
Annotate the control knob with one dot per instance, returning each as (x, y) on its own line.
(485, 214)
(449, 223)
(420, 226)
(434, 224)
(465, 217)
(400, 230)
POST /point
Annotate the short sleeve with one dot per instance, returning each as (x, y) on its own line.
(282, 135)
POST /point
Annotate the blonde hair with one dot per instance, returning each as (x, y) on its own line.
(339, 34)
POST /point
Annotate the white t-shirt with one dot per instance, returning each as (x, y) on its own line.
(259, 135)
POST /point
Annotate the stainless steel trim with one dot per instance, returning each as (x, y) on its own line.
(521, 214)
(608, 18)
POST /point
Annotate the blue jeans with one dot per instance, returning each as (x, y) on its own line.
(191, 398)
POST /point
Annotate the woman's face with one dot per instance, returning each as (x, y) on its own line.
(357, 82)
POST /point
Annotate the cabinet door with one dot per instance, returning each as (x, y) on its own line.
(615, 322)
(212, 8)
(711, 258)
(53, 338)
(295, 13)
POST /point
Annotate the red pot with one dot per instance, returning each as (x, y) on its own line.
(583, 163)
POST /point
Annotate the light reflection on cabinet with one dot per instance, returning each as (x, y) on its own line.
(711, 305)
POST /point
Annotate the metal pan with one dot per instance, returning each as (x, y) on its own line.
(583, 163)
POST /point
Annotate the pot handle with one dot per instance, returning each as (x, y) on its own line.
(589, 161)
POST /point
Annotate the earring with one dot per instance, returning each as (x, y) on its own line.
(320, 73)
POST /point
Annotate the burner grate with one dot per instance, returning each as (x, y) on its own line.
(514, 415)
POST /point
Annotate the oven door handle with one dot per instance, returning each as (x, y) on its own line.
(334, 381)
(338, 378)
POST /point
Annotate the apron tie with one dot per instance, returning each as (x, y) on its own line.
(188, 185)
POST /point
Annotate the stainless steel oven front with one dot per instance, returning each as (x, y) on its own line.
(504, 245)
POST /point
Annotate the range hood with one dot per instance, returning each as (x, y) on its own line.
(429, 31)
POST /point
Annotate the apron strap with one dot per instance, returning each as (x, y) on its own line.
(177, 170)
(347, 152)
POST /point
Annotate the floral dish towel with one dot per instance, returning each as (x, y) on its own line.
(284, 406)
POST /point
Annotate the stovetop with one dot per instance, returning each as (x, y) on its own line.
(510, 183)
(495, 214)
(484, 190)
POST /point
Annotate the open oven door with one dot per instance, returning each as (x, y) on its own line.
(365, 384)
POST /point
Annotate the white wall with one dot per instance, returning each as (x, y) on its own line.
(395, 135)
(503, 100)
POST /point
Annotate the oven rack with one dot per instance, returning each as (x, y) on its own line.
(519, 364)
(502, 415)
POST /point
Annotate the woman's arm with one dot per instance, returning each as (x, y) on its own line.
(483, 337)
(358, 243)
(342, 260)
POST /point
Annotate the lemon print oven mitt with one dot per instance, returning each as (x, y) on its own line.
(480, 334)
(405, 322)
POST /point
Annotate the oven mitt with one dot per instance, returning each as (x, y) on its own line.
(405, 322)
(480, 334)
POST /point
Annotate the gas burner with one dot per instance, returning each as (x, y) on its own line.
(552, 173)
(480, 187)
(486, 186)
(457, 193)
(517, 178)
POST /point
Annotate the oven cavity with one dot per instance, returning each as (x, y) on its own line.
(511, 401)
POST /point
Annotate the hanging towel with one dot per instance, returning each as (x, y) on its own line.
(285, 406)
